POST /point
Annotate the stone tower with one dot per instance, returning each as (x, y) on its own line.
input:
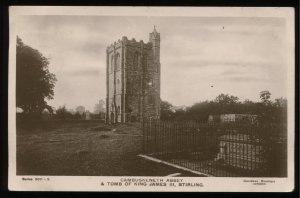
(133, 79)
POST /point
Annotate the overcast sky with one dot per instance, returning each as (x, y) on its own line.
(200, 57)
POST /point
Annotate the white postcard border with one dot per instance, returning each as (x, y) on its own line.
(93, 183)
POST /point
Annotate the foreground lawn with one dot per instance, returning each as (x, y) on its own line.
(84, 148)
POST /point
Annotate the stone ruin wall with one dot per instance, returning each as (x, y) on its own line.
(134, 86)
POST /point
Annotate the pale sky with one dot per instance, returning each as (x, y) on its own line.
(237, 56)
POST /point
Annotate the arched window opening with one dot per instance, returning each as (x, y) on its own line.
(145, 62)
(112, 63)
(112, 107)
(151, 99)
(136, 60)
(118, 61)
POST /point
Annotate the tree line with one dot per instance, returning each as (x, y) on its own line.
(62, 113)
(266, 109)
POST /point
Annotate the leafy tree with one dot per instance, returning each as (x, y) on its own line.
(34, 81)
(166, 112)
(77, 116)
(281, 102)
(225, 99)
(265, 97)
(200, 111)
(62, 113)
(180, 114)
(280, 112)
(248, 107)
(269, 111)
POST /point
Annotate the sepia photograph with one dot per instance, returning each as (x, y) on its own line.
(151, 99)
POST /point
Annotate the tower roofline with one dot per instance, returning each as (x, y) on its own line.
(126, 41)
(154, 35)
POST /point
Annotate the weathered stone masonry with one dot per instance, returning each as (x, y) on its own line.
(133, 79)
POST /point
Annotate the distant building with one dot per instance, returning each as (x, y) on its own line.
(87, 115)
(46, 114)
(80, 109)
(100, 107)
(226, 118)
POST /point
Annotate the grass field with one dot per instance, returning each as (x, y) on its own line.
(84, 148)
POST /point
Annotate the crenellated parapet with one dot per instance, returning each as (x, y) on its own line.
(125, 41)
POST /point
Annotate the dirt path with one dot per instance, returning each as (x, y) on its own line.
(84, 149)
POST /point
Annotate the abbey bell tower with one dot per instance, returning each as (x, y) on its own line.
(133, 79)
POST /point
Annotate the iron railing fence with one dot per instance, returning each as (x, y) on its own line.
(223, 150)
